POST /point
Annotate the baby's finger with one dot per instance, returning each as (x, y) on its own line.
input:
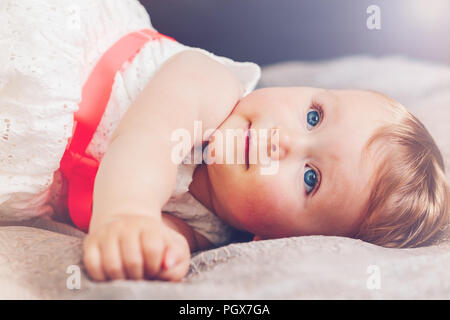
(152, 250)
(92, 260)
(175, 265)
(111, 258)
(133, 262)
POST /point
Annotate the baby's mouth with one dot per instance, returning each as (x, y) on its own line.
(247, 145)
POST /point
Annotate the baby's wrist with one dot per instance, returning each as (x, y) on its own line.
(106, 217)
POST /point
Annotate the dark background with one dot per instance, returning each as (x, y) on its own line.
(268, 31)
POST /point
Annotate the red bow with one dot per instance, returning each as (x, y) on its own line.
(79, 168)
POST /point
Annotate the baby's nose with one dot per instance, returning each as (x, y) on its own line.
(279, 144)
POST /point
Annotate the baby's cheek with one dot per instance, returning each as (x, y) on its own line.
(263, 210)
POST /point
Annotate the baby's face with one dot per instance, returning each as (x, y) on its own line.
(322, 184)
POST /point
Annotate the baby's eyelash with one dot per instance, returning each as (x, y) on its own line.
(317, 107)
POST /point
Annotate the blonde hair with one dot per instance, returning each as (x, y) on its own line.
(409, 200)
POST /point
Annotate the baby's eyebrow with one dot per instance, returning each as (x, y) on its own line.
(330, 102)
(328, 93)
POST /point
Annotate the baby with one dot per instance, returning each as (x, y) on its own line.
(351, 163)
(347, 163)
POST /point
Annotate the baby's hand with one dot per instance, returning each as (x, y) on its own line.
(136, 247)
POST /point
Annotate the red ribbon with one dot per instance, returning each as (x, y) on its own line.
(79, 168)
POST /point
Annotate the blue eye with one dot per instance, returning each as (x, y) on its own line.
(312, 118)
(310, 178)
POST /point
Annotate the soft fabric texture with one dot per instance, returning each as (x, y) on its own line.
(47, 50)
(35, 255)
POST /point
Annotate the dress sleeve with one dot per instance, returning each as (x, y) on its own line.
(134, 77)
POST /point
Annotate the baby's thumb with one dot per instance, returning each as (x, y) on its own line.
(175, 265)
(171, 258)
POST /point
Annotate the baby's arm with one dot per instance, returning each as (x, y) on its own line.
(136, 176)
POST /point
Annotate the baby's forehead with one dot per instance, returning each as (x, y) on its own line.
(374, 101)
(367, 93)
(382, 99)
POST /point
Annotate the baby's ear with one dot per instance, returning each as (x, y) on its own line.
(257, 238)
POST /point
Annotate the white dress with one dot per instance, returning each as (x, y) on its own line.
(47, 50)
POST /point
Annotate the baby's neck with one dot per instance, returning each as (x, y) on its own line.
(200, 187)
